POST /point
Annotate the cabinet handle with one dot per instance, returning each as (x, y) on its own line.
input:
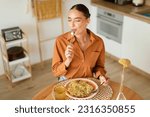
(104, 19)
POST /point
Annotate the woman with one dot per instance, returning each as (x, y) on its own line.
(79, 53)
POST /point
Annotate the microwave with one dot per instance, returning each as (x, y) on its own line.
(120, 2)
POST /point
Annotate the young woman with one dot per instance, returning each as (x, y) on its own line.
(79, 53)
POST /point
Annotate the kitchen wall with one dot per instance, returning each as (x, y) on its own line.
(14, 13)
(17, 13)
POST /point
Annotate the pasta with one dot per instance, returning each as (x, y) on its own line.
(79, 88)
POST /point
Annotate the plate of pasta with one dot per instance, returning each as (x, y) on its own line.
(81, 88)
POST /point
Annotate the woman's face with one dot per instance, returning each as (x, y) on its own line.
(77, 21)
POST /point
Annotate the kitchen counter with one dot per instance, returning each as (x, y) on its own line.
(127, 10)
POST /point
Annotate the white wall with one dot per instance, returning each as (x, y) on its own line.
(68, 4)
(14, 13)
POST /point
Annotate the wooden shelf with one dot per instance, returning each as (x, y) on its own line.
(26, 74)
(22, 63)
(17, 61)
(11, 43)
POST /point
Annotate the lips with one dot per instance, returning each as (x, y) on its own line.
(73, 30)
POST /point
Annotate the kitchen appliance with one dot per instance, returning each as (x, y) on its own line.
(138, 2)
(110, 24)
(11, 34)
(120, 2)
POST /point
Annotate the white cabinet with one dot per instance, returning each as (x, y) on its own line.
(93, 19)
(136, 43)
(112, 47)
(20, 68)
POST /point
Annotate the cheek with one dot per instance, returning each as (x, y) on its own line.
(82, 26)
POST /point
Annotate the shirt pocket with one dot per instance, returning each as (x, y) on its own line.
(93, 58)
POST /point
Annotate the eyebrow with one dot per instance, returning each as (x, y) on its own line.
(75, 18)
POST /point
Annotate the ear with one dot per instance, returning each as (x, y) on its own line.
(88, 20)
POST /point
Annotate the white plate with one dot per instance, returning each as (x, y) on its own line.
(93, 93)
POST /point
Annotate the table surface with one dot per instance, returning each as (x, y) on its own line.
(46, 92)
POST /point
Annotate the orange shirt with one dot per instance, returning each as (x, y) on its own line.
(84, 63)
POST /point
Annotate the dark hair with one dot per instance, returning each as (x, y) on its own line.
(82, 8)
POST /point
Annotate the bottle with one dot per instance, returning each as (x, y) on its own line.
(138, 2)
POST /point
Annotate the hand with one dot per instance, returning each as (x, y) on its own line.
(94, 75)
(69, 53)
(104, 80)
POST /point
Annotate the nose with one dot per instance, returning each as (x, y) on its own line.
(72, 24)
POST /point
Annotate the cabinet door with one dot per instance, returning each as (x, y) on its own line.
(112, 47)
(93, 23)
(136, 43)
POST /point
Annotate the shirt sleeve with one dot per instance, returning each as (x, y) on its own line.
(58, 65)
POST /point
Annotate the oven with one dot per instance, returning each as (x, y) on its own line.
(110, 25)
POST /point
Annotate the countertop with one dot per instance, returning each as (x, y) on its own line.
(127, 10)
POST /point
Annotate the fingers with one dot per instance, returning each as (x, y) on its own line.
(94, 75)
(103, 80)
(69, 47)
(69, 52)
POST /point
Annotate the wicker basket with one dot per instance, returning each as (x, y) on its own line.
(15, 53)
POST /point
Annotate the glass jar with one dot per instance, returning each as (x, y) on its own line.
(138, 2)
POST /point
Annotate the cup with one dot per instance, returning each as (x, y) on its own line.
(60, 93)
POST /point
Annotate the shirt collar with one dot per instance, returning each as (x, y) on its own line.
(91, 34)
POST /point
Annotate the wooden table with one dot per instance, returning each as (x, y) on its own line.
(45, 93)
